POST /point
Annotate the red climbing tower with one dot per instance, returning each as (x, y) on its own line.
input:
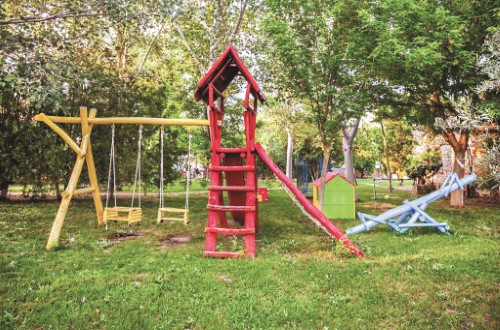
(232, 169)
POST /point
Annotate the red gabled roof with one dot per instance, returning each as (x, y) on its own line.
(329, 177)
(222, 73)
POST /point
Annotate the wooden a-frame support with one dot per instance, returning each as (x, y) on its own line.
(84, 155)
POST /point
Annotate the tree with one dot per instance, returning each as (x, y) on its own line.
(320, 48)
(398, 147)
(368, 148)
(427, 51)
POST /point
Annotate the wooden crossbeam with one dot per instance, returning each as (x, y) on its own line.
(124, 121)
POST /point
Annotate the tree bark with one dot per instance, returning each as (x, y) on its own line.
(289, 153)
(386, 152)
(324, 169)
(4, 189)
(459, 147)
(347, 142)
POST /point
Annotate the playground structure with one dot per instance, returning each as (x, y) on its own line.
(412, 213)
(232, 170)
(84, 155)
(340, 197)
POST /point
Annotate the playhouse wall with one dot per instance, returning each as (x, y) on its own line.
(339, 200)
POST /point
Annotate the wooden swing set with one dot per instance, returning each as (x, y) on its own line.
(84, 155)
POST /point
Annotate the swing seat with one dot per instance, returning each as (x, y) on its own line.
(164, 211)
(130, 215)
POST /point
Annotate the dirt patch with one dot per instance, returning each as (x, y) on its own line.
(107, 249)
(379, 206)
(141, 275)
(481, 201)
(118, 238)
(224, 278)
(175, 240)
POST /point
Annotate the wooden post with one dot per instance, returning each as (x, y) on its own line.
(55, 232)
(92, 171)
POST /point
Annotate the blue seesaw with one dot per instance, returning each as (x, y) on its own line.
(412, 213)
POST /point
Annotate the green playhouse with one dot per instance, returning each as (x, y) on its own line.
(340, 197)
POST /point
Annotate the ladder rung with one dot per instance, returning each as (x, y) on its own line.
(231, 188)
(231, 150)
(232, 168)
(216, 254)
(230, 231)
(229, 208)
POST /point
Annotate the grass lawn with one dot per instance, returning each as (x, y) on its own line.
(158, 279)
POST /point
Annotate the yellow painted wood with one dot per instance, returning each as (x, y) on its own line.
(62, 133)
(163, 213)
(315, 196)
(84, 191)
(130, 215)
(89, 158)
(55, 232)
(126, 120)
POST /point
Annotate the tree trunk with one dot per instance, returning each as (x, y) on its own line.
(4, 189)
(324, 169)
(459, 148)
(457, 197)
(386, 152)
(58, 190)
(347, 142)
(289, 154)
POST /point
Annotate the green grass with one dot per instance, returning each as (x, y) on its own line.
(420, 280)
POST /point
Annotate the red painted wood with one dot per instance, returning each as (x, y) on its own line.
(230, 208)
(232, 168)
(235, 181)
(230, 231)
(240, 189)
(325, 222)
(231, 150)
(221, 75)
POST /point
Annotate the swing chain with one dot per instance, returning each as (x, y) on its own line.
(112, 167)
(137, 177)
(162, 134)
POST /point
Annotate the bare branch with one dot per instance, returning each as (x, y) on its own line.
(190, 50)
(165, 21)
(36, 19)
(240, 19)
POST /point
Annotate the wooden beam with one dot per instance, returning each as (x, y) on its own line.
(72, 144)
(93, 175)
(125, 121)
(55, 232)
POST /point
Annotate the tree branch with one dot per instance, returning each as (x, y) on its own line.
(188, 47)
(149, 49)
(240, 19)
(36, 19)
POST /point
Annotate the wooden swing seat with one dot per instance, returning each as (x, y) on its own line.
(163, 214)
(128, 214)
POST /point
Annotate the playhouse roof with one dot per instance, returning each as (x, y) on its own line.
(222, 73)
(330, 176)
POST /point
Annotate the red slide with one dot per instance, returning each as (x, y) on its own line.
(319, 218)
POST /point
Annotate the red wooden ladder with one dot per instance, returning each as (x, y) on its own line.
(232, 171)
